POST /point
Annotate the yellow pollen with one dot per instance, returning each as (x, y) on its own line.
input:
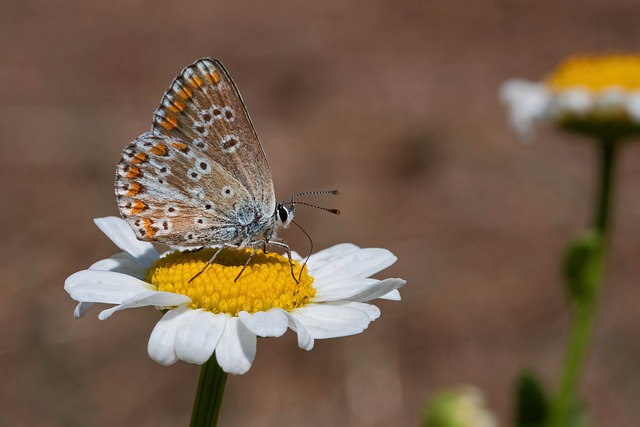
(597, 72)
(265, 283)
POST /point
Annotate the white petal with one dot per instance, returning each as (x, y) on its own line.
(198, 335)
(104, 286)
(611, 100)
(327, 255)
(383, 287)
(296, 257)
(162, 342)
(147, 298)
(237, 348)
(527, 103)
(330, 321)
(356, 289)
(361, 263)
(121, 263)
(371, 310)
(392, 296)
(336, 290)
(81, 309)
(633, 106)
(305, 340)
(122, 235)
(575, 101)
(272, 323)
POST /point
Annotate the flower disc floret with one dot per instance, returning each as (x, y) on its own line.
(265, 283)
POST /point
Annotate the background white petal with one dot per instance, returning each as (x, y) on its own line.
(331, 321)
(350, 265)
(122, 235)
(633, 106)
(575, 101)
(162, 342)
(237, 348)
(527, 102)
(198, 335)
(272, 323)
(611, 100)
(104, 286)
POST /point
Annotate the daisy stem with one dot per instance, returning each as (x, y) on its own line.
(566, 402)
(208, 400)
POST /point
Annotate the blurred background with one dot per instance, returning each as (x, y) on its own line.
(392, 102)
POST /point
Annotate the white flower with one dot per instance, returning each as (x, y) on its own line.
(341, 285)
(583, 94)
(463, 406)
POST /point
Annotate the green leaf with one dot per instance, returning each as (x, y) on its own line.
(583, 265)
(532, 406)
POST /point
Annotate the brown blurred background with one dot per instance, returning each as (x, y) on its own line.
(392, 102)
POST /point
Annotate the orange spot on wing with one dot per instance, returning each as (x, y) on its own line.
(148, 227)
(180, 146)
(134, 188)
(139, 158)
(133, 172)
(177, 106)
(160, 150)
(138, 206)
(213, 77)
(169, 122)
(196, 82)
(185, 93)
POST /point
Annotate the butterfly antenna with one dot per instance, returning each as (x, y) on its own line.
(333, 211)
(314, 193)
(310, 249)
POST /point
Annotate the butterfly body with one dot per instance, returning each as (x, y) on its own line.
(200, 177)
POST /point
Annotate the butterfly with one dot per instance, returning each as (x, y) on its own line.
(200, 177)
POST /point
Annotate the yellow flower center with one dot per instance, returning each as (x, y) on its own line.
(597, 72)
(265, 283)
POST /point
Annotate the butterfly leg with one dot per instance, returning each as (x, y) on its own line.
(257, 244)
(210, 261)
(288, 249)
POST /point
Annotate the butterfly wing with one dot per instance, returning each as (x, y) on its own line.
(201, 172)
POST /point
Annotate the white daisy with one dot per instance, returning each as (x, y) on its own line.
(463, 406)
(212, 313)
(590, 94)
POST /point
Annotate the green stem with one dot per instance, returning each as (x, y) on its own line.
(208, 400)
(584, 309)
(607, 164)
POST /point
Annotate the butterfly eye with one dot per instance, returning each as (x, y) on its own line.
(283, 214)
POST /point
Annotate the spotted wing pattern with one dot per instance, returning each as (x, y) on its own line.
(201, 173)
